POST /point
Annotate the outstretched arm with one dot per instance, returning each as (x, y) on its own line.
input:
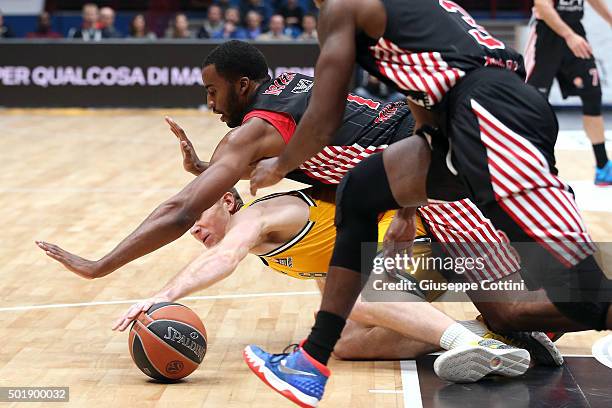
(546, 12)
(172, 218)
(327, 103)
(212, 266)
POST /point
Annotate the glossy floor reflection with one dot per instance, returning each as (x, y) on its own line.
(581, 382)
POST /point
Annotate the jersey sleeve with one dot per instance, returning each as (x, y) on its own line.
(282, 122)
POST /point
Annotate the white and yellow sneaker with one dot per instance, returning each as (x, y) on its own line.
(472, 362)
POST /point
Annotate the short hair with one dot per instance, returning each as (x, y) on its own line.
(235, 59)
(237, 198)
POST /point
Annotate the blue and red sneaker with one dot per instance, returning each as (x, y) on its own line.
(603, 176)
(296, 375)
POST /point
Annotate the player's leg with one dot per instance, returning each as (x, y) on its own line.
(502, 135)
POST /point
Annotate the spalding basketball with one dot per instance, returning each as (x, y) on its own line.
(168, 341)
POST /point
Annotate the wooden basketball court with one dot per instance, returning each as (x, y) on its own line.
(84, 180)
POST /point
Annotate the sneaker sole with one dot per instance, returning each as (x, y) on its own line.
(471, 363)
(547, 353)
(258, 367)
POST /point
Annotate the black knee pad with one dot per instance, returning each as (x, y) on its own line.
(363, 194)
(591, 104)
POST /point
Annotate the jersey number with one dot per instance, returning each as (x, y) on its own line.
(479, 33)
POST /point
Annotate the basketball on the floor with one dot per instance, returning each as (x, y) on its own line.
(168, 341)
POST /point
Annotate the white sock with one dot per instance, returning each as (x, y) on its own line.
(456, 335)
(475, 326)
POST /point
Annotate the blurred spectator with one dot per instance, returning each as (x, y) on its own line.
(309, 28)
(5, 32)
(179, 28)
(293, 13)
(107, 23)
(213, 22)
(231, 28)
(260, 6)
(372, 88)
(138, 28)
(43, 28)
(277, 30)
(224, 4)
(253, 25)
(89, 30)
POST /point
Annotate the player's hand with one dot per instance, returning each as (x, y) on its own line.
(132, 313)
(400, 235)
(81, 266)
(579, 46)
(191, 161)
(267, 173)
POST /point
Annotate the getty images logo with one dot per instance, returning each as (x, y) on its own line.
(188, 341)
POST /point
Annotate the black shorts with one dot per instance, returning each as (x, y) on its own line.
(553, 59)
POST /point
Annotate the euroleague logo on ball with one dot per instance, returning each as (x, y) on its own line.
(174, 367)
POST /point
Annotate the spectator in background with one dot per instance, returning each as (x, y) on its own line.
(179, 28)
(107, 23)
(293, 13)
(89, 30)
(43, 28)
(253, 25)
(260, 6)
(213, 23)
(277, 30)
(224, 4)
(309, 28)
(138, 28)
(231, 28)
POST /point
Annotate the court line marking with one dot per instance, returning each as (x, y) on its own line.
(410, 384)
(131, 301)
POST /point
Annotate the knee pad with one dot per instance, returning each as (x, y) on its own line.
(362, 195)
(591, 104)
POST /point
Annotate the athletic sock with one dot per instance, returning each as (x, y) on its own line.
(475, 326)
(457, 335)
(601, 156)
(324, 336)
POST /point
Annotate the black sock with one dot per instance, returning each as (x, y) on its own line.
(323, 336)
(601, 156)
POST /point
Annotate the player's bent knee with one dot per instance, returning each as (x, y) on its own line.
(593, 315)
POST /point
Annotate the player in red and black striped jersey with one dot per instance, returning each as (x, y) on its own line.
(497, 135)
(558, 48)
(368, 126)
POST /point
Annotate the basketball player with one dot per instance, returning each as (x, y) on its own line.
(497, 136)
(558, 49)
(264, 114)
(293, 233)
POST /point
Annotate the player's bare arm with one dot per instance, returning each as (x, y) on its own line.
(546, 11)
(246, 231)
(337, 28)
(602, 9)
(255, 229)
(171, 219)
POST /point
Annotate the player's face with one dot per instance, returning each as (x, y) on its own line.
(224, 96)
(212, 225)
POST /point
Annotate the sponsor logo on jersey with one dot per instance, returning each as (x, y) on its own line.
(288, 262)
(279, 84)
(302, 86)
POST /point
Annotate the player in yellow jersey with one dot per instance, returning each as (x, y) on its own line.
(294, 234)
